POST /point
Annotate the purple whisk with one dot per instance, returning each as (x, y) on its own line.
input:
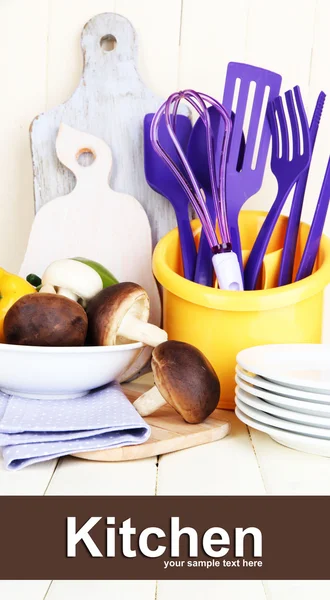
(224, 260)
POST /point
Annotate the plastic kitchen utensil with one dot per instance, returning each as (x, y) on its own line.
(94, 221)
(207, 317)
(243, 181)
(224, 261)
(289, 248)
(270, 268)
(315, 232)
(197, 157)
(286, 169)
(161, 179)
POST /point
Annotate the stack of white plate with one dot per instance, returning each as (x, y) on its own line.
(284, 391)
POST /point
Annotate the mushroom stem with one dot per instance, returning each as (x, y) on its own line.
(47, 289)
(67, 293)
(149, 402)
(132, 328)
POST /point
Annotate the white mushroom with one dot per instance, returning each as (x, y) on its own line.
(119, 314)
(73, 279)
(47, 289)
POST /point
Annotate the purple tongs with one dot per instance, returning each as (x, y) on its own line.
(225, 261)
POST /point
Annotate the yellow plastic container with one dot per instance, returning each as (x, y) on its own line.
(221, 323)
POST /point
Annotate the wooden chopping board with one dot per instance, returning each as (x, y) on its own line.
(96, 222)
(110, 102)
(169, 433)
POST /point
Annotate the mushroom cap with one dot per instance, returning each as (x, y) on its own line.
(45, 320)
(75, 276)
(186, 380)
(108, 308)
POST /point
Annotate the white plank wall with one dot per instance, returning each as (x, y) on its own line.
(182, 43)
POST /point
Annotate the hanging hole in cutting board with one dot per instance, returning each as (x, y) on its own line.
(108, 42)
(85, 158)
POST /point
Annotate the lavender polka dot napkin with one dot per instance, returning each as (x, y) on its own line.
(32, 431)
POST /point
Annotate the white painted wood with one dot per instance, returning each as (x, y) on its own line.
(76, 477)
(280, 36)
(297, 590)
(95, 222)
(110, 102)
(23, 65)
(225, 467)
(289, 472)
(27, 482)
(211, 590)
(29, 590)
(101, 590)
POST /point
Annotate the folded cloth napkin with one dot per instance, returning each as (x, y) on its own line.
(32, 431)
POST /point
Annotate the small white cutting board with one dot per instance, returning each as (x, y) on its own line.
(95, 222)
(109, 102)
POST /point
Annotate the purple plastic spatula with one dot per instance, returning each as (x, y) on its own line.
(161, 179)
(291, 234)
(286, 169)
(244, 180)
(315, 232)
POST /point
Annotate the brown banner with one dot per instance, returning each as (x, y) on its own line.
(141, 538)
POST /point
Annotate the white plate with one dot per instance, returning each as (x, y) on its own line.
(286, 438)
(263, 417)
(66, 372)
(281, 390)
(277, 411)
(307, 408)
(302, 366)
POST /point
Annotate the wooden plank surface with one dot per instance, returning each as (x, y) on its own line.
(225, 467)
(101, 590)
(211, 590)
(29, 590)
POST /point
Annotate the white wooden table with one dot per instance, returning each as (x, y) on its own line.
(244, 463)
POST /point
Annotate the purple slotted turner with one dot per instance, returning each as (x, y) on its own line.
(243, 181)
(286, 170)
(161, 179)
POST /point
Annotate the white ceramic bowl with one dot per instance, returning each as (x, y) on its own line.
(62, 372)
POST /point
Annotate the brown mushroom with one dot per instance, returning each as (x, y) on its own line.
(185, 379)
(45, 320)
(118, 315)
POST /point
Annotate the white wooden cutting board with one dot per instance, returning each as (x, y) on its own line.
(110, 103)
(95, 222)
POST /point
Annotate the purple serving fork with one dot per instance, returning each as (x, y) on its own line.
(315, 233)
(291, 234)
(286, 171)
(243, 180)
